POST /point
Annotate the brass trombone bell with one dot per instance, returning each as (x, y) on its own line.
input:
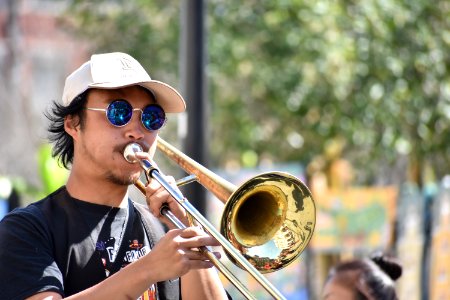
(270, 218)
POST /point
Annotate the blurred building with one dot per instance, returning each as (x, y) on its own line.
(36, 54)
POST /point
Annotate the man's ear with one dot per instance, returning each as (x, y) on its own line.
(72, 126)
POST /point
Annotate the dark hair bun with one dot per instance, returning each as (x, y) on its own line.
(389, 265)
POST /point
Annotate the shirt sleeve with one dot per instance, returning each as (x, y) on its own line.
(26, 256)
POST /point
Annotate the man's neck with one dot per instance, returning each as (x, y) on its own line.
(97, 191)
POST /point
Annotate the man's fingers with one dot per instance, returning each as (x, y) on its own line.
(194, 237)
(200, 264)
(200, 255)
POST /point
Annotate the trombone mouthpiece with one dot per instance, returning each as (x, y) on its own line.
(129, 153)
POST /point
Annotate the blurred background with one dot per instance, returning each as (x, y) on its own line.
(352, 97)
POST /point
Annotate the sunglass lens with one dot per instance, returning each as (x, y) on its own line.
(119, 112)
(153, 117)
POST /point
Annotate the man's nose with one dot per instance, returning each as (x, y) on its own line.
(135, 129)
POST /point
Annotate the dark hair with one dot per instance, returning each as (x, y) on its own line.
(62, 141)
(375, 276)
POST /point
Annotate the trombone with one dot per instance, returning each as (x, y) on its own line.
(270, 218)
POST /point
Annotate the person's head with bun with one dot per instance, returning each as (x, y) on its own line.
(363, 279)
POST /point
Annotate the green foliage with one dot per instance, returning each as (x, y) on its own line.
(148, 30)
(294, 75)
(286, 78)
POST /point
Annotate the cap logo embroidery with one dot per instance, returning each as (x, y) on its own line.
(126, 63)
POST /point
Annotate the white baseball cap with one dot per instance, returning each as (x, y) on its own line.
(117, 70)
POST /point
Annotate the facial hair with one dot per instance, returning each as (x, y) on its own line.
(110, 175)
(124, 180)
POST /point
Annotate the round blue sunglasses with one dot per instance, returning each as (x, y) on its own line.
(119, 113)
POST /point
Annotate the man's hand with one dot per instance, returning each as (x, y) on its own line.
(177, 253)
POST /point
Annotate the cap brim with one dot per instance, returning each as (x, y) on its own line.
(166, 96)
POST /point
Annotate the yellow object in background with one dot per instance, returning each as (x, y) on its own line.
(52, 174)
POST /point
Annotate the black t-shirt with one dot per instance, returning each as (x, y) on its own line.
(66, 245)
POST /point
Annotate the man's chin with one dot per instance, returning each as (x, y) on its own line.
(132, 179)
(125, 180)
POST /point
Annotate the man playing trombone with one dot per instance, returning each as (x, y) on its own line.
(88, 239)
